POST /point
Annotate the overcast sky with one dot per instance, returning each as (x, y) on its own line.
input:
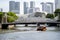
(5, 3)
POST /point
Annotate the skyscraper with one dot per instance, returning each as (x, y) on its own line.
(57, 4)
(32, 4)
(32, 7)
(1, 9)
(43, 6)
(17, 7)
(50, 4)
(14, 7)
(47, 7)
(31, 10)
(25, 7)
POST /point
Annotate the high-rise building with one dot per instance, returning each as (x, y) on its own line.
(32, 4)
(57, 4)
(43, 6)
(50, 4)
(28, 9)
(17, 7)
(32, 7)
(25, 7)
(31, 10)
(47, 7)
(1, 9)
(14, 7)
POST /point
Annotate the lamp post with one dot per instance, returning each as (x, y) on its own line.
(4, 18)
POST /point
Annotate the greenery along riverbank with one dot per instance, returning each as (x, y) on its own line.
(11, 16)
(53, 15)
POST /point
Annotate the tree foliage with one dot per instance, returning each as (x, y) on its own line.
(11, 17)
(50, 16)
(56, 12)
(1, 15)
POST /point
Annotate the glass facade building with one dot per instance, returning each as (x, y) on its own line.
(14, 7)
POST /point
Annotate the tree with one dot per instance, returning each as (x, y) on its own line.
(50, 16)
(11, 17)
(1, 15)
(56, 12)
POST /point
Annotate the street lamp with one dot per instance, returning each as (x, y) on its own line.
(4, 18)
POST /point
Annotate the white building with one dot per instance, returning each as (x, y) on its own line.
(14, 7)
(25, 7)
(47, 7)
(57, 4)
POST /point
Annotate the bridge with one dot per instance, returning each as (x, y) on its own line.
(31, 23)
(5, 24)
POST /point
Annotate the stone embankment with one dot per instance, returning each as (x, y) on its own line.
(9, 27)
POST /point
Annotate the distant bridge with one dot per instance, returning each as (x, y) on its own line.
(37, 21)
(5, 25)
(31, 23)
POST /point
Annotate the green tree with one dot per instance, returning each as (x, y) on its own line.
(1, 15)
(50, 16)
(57, 11)
(11, 17)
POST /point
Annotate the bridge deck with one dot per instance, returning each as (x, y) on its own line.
(33, 23)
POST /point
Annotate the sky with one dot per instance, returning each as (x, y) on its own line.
(5, 4)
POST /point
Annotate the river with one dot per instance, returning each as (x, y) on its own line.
(51, 34)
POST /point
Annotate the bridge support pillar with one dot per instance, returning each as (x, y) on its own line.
(14, 25)
(38, 25)
(26, 25)
(58, 25)
(4, 26)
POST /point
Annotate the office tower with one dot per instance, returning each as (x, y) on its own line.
(47, 7)
(32, 7)
(17, 7)
(43, 6)
(37, 9)
(31, 10)
(25, 7)
(50, 4)
(57, 4)
(14, 7)
(32, 4)
(1, 9)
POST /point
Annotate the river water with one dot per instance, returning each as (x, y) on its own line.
(51, 34)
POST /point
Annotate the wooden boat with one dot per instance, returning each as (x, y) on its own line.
(41, 28)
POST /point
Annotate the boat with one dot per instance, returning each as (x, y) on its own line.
(41, 28)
